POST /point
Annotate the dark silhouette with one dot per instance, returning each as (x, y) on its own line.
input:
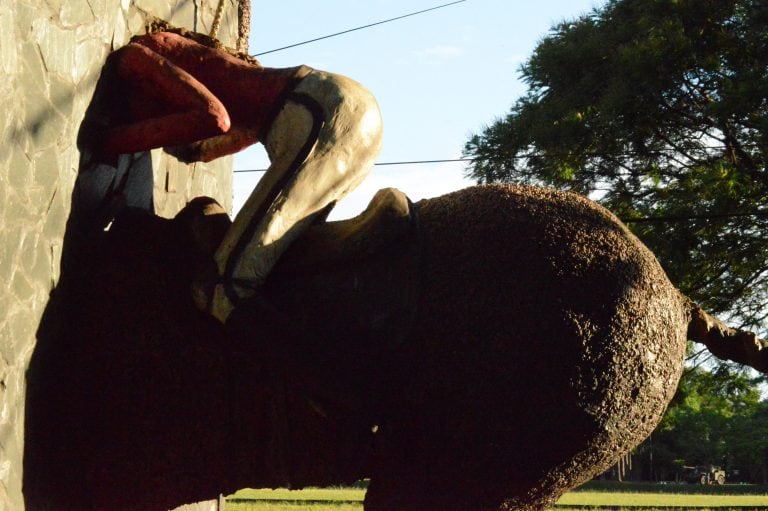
(492, 347)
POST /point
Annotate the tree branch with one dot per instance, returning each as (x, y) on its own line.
(657, 131)
(727, 343)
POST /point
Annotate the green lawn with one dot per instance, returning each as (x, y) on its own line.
(311, 499)
(651, 500)
(636, 498)
(312, 494)
(283, 506)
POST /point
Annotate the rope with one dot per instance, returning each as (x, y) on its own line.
(217, 19)
(243, 25)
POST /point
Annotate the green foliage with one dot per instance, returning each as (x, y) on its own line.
(716, 417)
(306, 494)
(282, 506)
(660, 109)
(308, 499)
(597, 494)
(650, 500)
(596, 485)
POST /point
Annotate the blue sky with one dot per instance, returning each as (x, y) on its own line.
(438, 76)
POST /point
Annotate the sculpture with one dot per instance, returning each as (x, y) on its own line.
(458, 364)
(322, 132)
(488, 349)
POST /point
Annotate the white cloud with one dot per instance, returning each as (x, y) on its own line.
(442, 50)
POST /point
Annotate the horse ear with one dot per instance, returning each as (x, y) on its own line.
(204, 222)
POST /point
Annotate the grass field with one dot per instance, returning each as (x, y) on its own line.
(312, 499)
(622, 496)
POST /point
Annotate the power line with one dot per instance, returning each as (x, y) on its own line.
(359, 28)
(649, 219)
(416, 162)
(637, 220)
(524, 156)
(384, 163)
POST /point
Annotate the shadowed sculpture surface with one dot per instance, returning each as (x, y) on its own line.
(506, 344)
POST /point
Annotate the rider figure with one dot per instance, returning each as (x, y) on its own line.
(321, 131)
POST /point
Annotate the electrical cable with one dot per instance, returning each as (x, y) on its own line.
(518, 157)
(383, 163)
(358, 28)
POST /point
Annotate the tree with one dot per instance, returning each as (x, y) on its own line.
(749, 444)
(716, 417)
(659, 109)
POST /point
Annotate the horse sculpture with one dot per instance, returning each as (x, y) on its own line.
(487, 349)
